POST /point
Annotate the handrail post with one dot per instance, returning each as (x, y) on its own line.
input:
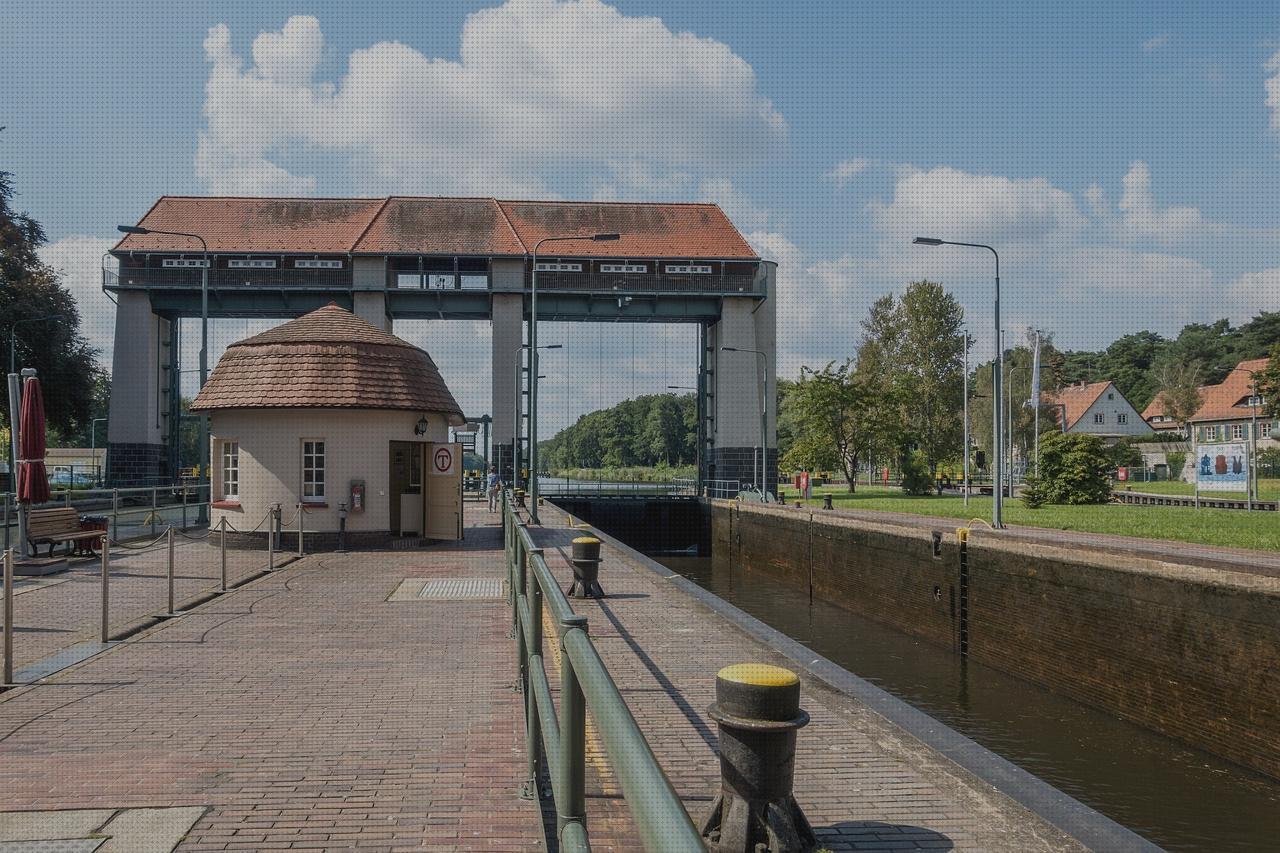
(171, 611)
(533, 729)
(300, 514)
(106, 580)
(8, 616)
(572, 807)
(222, 548)
(184, 506)
(115, 514)
(153, 510)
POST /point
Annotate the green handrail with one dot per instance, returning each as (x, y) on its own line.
(585, 685)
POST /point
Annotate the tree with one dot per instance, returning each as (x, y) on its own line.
(931, 356)
(29, 289)
(829, 405)
(1074, 469)
(1179, 394)
(879, 374)
(1269, 382)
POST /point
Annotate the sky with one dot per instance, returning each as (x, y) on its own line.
(1124, 158)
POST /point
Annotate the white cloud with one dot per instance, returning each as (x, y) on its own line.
(1272, 85)
(542, 89)
(78, 262)
(1156, 42)
(1254, 292)
(845, 171)
(1140, 217)
(738, 206)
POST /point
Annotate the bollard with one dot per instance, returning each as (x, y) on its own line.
(106, 579)
(586, 568)
(300, 514)
(758, 711)
(342, 528)
(826, 501)
(8, 616)
(171, 613)
(222, 549)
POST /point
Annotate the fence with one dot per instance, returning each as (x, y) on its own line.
(585, 685)
(128, 585)
(564, 486)
(131, 513)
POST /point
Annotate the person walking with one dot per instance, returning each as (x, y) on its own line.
(493, 486)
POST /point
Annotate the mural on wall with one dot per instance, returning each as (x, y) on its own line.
(1222, 467)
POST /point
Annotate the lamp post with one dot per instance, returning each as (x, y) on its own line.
(205, 461)
(997, 499)
(93, 450)
(966, 417)
(763, 480)
(533, 359)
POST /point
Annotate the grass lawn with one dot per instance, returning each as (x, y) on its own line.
(1226, 527)
(1268, 490)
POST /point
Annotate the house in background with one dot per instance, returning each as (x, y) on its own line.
(1227, 410)
(1097, 408)
(1157, 420)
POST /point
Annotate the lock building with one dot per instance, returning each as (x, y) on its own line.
(333, 417)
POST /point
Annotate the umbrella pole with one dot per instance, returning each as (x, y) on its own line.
(15, 391)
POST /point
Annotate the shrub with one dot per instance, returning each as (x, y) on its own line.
(1177, 464)
(915, 474)
(1033, 492)
(1074, 469)
(1124, 454)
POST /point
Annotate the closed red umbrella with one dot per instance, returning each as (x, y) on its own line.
(33, 483)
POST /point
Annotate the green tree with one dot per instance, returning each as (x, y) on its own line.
(56, 349)
(1074, 469)
(931, 356)
(829, 405)
(1179, 391)
(1269, 382)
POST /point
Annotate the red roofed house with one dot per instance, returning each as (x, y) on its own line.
(1096, 408)
(307, 413)
(1227, 410)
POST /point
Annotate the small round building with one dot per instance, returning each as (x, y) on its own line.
(330, 413)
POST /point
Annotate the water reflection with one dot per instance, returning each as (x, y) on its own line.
(1180, 798)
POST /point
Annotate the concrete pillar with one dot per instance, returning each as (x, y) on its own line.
(734, 384)
(369, 291)
(508, 334)
(136, 451)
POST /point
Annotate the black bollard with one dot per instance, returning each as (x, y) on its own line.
(586, 568)
(758, 711)
(826, 501)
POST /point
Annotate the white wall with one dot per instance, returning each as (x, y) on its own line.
(135, 371)
(356, 448)
(1109, 409)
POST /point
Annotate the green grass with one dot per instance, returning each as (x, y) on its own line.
(1226, 527)
(1268, 490)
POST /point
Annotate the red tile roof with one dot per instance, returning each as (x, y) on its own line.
(1077, 399)
(1229, 400)
(326, 359)
(440, 226)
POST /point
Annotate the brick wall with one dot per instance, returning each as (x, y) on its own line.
(1186, 651)
(130, 464)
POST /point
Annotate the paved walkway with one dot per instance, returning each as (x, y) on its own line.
(305, 710)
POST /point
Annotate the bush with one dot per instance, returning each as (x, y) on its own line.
(1124, 455)
(915, 474)
(1033, 492)
(1074, 469)
(1177, 464)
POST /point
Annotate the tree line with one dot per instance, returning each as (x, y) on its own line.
(648, 431)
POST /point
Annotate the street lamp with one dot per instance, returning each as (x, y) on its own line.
(764, 414)
(998, 502)
(533, 359)
(205, 461)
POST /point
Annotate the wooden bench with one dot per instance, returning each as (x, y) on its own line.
(57, 526)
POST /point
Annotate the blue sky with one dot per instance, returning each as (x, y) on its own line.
(1125, 157)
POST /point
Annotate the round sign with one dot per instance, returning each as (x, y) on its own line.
(443, 460)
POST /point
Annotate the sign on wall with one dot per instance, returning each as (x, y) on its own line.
(1222, 467)
(444, 461)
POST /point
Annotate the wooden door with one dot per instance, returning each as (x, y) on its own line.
(442, 483)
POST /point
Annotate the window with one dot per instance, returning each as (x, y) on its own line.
(316, 264)
(313, 471)
(688, 269)
(1264, 429)
(1099, 418)
(230, 470)
(1237, 432)
(624, 268)
(556, 266)
(1122, 419)
(1111, 396)
(251, 264)
(408, 280)
(198, 263)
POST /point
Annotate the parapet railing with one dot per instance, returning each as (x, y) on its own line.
(130, 512)
(585, 685)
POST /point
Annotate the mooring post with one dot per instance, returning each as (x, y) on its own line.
(758, 711)
(826, 501)
(586, 568)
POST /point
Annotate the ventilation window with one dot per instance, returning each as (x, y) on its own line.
(198, 263)
(688, 269)
(624, 268)
(316, 264)
(251, 264)
(555, 266)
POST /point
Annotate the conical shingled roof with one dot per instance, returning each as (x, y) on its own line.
(328, 359)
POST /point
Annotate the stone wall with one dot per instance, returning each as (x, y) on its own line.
(1189, 652)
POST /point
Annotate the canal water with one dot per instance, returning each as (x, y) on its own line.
(1178, 797)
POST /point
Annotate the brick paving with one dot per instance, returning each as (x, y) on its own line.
(304, 709)
(864, 783)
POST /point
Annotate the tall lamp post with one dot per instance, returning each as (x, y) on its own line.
(997, 520)
(763, 480)
(533, 359)
(205, 461)
(966, 417)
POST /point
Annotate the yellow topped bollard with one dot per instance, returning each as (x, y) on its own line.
(586, 568)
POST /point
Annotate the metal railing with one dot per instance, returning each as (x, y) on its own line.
(567, 487)
(131, 512)
(722, 488)
(585, 685)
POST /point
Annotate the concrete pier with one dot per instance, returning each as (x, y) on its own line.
(345, 702)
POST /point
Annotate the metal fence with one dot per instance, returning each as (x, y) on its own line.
(130, 513)
(559, 735)
(566, 487)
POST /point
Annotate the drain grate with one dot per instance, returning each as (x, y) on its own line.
(448, 589)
